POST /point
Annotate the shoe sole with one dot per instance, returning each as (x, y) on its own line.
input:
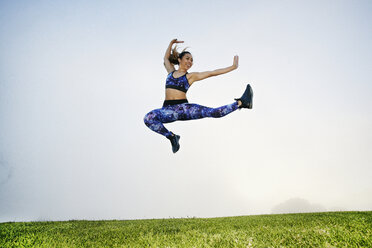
(175, 149)
(250, 105)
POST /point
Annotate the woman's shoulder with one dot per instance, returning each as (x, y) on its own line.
(189, 77)
(190, 74)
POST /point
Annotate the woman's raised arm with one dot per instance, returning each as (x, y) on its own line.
(168, 65)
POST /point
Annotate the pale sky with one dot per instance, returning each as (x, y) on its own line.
(77, 78)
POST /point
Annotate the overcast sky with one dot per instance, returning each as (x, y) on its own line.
(77, 78)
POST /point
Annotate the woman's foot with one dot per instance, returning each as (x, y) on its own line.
(246, 101)
(174, 141)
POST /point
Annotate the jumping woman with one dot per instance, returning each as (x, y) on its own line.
(176, 106)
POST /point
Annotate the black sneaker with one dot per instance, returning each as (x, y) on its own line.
(247, 98)
(174, 141)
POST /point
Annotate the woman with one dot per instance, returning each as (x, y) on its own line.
(176, 106)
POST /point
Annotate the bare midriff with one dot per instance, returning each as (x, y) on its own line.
(173, 94)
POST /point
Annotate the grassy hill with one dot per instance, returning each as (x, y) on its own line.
(333, 229)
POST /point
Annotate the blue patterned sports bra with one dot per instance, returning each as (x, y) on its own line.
(180, 83)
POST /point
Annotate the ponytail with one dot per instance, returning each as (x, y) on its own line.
(173, 58)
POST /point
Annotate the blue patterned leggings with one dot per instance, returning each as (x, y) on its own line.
(182, 112)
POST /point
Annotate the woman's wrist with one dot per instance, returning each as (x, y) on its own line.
(234, 67)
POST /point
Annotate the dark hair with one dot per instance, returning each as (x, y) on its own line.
(173, 58)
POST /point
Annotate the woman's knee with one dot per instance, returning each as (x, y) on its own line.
(214, 112)
(149, 118)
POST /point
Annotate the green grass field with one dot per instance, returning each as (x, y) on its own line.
(333, 229)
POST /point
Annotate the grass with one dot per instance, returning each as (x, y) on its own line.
(332, 229)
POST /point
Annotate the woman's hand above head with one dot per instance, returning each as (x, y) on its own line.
(168, 65)
(174, 41)
(236, 62)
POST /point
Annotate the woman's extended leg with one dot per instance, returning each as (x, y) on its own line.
(195, 111)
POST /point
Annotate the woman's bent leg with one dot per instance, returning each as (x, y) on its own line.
(155, 119)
